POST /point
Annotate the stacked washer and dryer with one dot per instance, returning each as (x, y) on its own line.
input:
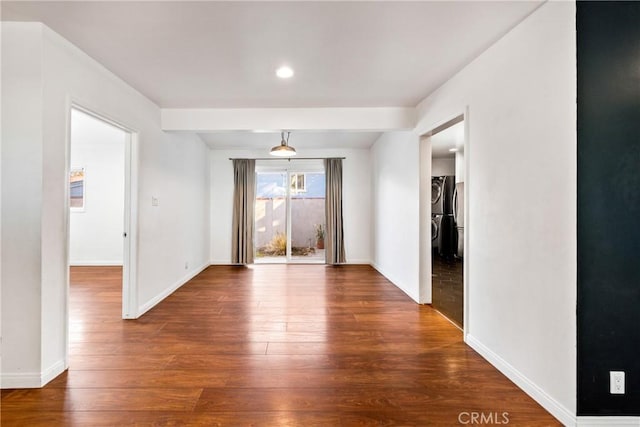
(444, 207)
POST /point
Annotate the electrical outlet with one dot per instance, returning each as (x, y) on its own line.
(186, 265)
(616, 379)
(155, 201)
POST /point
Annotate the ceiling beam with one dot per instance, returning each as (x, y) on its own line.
(378, 119)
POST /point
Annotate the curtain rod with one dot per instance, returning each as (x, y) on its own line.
(286, 158)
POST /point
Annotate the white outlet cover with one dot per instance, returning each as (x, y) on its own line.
(155, 201)
(616, 379)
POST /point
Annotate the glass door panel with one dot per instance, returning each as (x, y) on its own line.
(307, 198)
(289, 216)
(271, 217)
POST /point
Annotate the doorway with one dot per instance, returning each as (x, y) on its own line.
(101, 199)
(444, 187)
(290, 212)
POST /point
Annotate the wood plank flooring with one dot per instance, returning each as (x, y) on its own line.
(448, 288)
(269, 345)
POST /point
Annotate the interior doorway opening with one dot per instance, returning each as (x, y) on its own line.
(290, 212)
(443, 218)
(101, 199)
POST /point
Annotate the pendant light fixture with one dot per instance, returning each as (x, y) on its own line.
(283, 150)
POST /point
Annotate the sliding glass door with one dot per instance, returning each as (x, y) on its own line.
(270, 216)
(306, 207)
(289, 214)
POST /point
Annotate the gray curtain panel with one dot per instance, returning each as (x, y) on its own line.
(244, 195)
(334, 236)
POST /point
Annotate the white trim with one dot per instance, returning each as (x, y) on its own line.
(358, 262)
(32, 379)
(53, 371)
(563, 414)
(448, 319)
(466, 295)
(608, 421)
(67, 224)
(130, 242)
(96, 113)
(425, 267)
(96, 263)
(21, 380)
(394, 282)
(221, 262)
(171, 289)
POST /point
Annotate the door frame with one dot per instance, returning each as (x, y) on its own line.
(130, 211)
(426, 268)
(288, 170)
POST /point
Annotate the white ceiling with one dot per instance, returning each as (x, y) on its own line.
(298, 140)
(451, 137)
(224, 54)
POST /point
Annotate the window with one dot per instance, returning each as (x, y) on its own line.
(298, 182)
(76, 189)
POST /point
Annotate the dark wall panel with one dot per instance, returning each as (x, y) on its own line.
(608, 46)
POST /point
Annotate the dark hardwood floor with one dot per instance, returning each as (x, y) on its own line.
(269, 345)
(448, 288)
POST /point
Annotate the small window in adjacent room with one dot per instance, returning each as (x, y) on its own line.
(77, 189)
(298, 183)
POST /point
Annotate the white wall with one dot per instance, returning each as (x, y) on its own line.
(443, 167)
(356, 201)
(395, 205)
(521, 186)
(95, 235)
(460, 166)
(178, 176)
(46, 73)
(21, 202)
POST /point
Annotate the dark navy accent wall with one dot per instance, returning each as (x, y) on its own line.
(608, 47)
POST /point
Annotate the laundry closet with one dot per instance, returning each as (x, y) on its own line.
(447, 222)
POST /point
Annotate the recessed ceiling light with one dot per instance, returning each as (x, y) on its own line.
(453, 150)
(284, 72)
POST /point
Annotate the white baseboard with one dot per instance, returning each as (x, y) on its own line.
(394, 281)
(220, 262)
(31, 379)
(608, 421)
(96, 263)
(564, 415)
(53, 371)
(358, 262)
(171, 289)
(21, 380)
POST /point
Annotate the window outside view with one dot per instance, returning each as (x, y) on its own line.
(76, 188)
